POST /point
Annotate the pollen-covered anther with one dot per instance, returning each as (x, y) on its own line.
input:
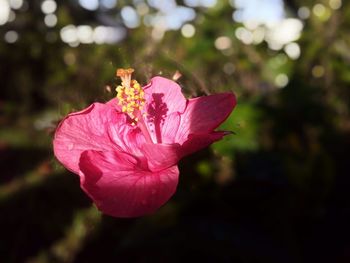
(130, 94)
(121, 72)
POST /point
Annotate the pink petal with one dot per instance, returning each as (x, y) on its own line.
(119, 188)
(161, 156)
(170, 127)
(204, 114)
(129, 138)
(196, 142)
(164, 130)
(114, 103)
(83, 130)
(163, 97)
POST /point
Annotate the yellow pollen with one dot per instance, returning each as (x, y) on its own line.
(121, 72)
(130, 94)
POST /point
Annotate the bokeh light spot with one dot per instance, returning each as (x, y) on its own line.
(223, 42)
(318, 71)
(4, 11)
(11, 36)
(188, 30)
(281, 80)
(335, 4)
(48, 6)
(89, 4)
(304, 12)
(319, 10)
(85, 34)
(50, 20)
(109, 3)
(130, 17)
(292, 50)
(16, 4)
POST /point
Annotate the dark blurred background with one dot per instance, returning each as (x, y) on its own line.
(276, 191)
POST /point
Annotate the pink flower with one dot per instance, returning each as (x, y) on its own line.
(126, 150)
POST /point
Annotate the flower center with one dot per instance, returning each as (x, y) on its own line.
(130, 94)
(131, 98)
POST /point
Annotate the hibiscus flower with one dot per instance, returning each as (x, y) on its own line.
(126, 151)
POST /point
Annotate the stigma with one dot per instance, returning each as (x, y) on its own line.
(130, 94)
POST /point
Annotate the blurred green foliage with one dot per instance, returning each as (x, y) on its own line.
(244, 122)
